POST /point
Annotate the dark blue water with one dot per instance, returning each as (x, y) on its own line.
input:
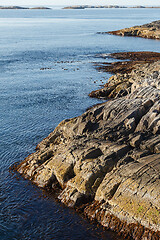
(46, 74)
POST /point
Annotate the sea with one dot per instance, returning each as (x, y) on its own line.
(47, 70)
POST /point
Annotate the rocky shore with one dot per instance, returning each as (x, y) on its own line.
(150, 30)
(106, 162)
(131, 67)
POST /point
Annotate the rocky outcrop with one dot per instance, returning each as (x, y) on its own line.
(150, 30)
(138, 71)
(106, 162)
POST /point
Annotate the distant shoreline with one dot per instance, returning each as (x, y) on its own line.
(108, 6)
(19, 8)
(75, 7)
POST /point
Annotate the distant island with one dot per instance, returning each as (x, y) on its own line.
(75, 7)
(108, 6)
(17, 7)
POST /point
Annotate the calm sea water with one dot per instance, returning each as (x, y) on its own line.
(46, 74)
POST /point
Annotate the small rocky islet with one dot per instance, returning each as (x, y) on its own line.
(106, 162)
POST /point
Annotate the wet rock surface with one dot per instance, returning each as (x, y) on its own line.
(150, 30)
(106, 162)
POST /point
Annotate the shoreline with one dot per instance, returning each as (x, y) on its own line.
(106, 7)
(105, 163)
(120, 83)
(23, 8)
(83, 146)
(150, 31)
(80, 7)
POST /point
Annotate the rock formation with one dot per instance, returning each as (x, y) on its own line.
(150, 30)
(106, 162)
(138, 69)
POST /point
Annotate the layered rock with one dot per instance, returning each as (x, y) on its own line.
(150, 30)
(129, 74)
(107, 161)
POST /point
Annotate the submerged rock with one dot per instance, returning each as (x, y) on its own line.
(107, 161)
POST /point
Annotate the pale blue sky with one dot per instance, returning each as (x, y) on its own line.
(76, 2)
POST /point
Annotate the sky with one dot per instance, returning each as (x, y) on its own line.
(79, 2)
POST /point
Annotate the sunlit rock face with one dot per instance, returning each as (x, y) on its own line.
(150, 30)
